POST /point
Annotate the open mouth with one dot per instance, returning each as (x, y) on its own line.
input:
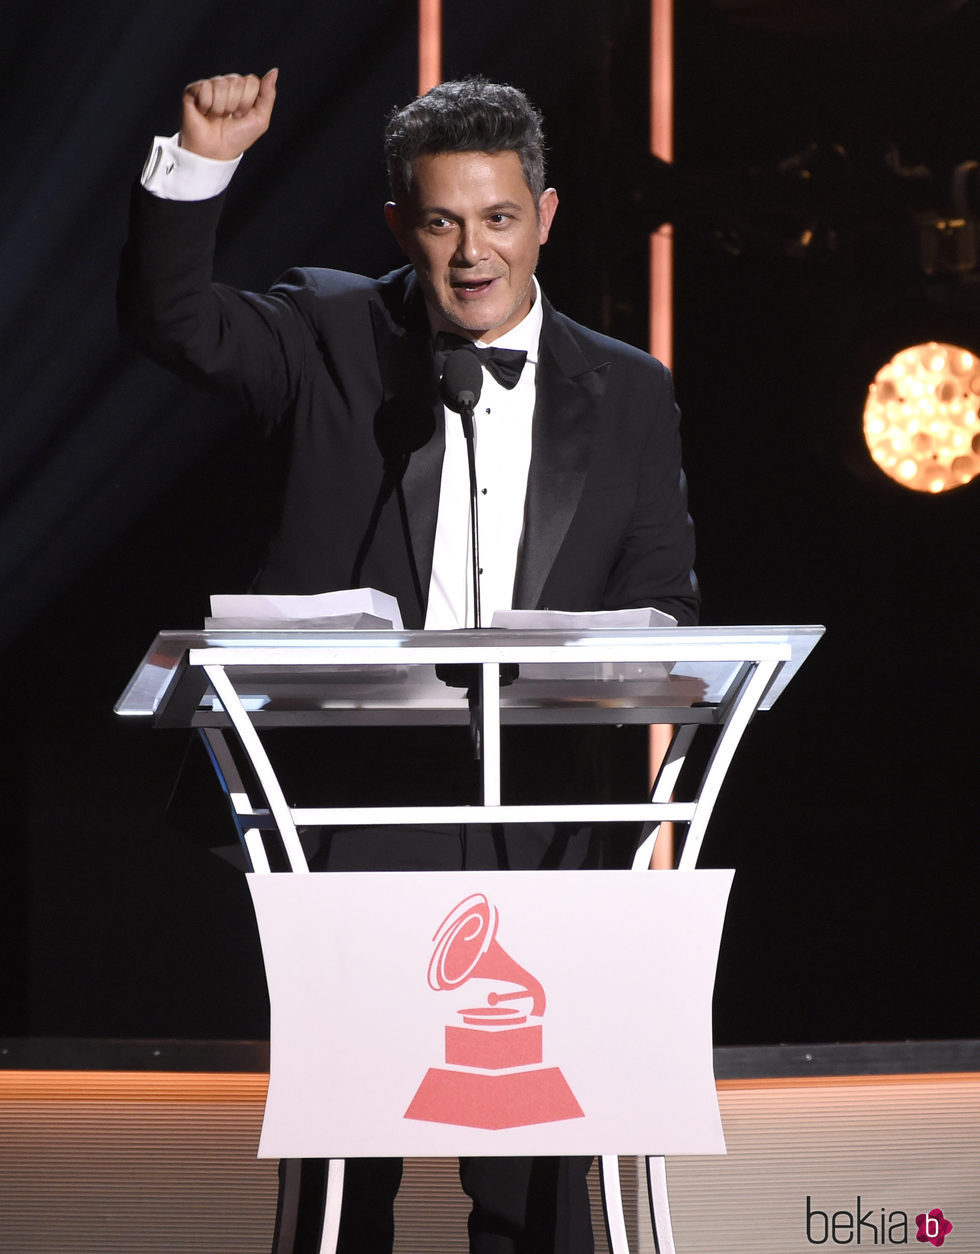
(472, 287)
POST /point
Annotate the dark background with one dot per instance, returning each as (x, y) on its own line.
(126, 497)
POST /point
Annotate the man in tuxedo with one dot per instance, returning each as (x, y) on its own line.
(581, 495)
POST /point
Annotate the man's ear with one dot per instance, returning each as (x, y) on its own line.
(547, 207)
(395, 222)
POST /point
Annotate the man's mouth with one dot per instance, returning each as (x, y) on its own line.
(471, 287)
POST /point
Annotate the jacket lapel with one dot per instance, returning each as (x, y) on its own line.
(566, 409)
(410, 426)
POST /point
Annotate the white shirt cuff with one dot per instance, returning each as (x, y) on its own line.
(173, 173)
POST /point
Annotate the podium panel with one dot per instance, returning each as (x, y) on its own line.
(486, 1013)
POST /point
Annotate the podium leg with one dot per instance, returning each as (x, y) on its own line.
(332, 1203)
(663, 1233)
(287, 1205)
(315, 1186)
(612, 1205)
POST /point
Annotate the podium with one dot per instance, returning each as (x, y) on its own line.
(231, 685)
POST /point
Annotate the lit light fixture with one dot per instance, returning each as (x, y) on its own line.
(920, 417)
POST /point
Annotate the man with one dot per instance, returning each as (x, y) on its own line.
(582, 498)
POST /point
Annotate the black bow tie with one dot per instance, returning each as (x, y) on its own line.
(505, 364)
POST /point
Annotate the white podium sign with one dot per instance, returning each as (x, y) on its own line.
(484, 1013)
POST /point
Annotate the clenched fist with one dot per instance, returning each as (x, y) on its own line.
(223, 116)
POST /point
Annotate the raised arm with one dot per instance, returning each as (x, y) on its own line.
(246, 345)
(223, 116)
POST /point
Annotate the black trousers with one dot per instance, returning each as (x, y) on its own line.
(520, 1206)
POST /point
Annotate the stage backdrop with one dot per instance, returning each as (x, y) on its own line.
(126, 497)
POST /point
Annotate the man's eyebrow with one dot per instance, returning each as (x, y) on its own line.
(511, 205)
(504, 204)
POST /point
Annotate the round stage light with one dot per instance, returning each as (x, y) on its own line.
(920, 417)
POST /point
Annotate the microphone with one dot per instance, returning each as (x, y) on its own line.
(462, 382)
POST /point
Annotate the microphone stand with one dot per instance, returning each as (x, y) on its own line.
(474, 691)
(462, 380)
(466, 414)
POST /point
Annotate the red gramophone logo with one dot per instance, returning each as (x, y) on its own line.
(494, 1075)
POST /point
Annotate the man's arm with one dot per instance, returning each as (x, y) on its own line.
(246, 345)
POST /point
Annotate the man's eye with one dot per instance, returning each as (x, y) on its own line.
(499, 219)
(439, 224)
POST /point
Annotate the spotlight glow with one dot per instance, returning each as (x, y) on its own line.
(920, 417)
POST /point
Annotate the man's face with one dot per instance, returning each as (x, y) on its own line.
(472, 231)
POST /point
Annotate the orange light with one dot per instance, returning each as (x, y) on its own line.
(921, 420)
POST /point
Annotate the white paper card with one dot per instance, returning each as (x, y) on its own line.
(255, 609)
(583, 620)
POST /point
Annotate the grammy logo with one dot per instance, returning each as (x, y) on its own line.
(494, 1075)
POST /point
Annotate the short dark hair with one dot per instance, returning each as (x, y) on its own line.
(472, 115)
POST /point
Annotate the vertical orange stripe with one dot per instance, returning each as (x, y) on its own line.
(662, 79)
(430, 44)
(663, 851)
(662, 295)
(662, 146)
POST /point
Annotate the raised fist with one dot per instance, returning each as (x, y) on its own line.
(223, 116)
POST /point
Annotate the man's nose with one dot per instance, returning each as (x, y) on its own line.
(472, 247)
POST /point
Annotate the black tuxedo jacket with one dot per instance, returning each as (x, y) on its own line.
(339, 369)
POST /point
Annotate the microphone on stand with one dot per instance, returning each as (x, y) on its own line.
(462, 382)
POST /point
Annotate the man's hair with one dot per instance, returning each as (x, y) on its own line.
(472, 115)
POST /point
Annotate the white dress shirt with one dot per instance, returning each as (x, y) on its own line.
(502, 422)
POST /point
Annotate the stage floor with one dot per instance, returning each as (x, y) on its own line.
(150, 1146)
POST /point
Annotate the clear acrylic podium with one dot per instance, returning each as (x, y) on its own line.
(232, 684)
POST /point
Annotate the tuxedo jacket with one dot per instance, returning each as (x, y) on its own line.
(339, 369)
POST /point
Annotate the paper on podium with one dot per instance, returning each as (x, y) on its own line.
(348, 609)
(588, 620)
(583, 620)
